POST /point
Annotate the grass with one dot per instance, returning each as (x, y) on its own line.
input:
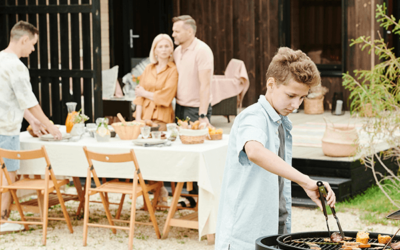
(373, 205)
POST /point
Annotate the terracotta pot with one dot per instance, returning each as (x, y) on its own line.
(340, 141)
(314, 106)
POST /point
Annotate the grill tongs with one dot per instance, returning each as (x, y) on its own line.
(322, 197)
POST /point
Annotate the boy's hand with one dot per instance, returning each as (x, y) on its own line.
(38, 128)
(55, 132)
(312, 191)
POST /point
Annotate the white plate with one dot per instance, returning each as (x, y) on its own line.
(49, 137)
(141, 142)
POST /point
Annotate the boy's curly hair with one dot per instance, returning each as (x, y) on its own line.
(289, 64)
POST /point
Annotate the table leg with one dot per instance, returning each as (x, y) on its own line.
(81, 194)
(210, 239)
(172, 209)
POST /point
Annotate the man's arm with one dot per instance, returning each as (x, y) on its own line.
(266, 159)
(37, 127)
(37, 112)
(205, 78)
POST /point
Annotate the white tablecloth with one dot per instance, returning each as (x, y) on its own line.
(203, 163)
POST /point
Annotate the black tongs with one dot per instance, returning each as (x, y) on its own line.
(322, 197)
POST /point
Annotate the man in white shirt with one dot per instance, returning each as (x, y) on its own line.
(16, 102)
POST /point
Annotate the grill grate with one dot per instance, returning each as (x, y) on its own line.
(291, 241)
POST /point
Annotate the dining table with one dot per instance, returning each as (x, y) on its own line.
(203, 163)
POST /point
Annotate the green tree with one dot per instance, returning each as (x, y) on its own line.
(375, 94)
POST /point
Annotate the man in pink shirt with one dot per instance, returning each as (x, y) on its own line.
(195, 63)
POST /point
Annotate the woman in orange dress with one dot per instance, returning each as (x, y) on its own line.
(158, 84)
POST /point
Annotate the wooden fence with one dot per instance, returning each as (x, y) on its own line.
(67, 29)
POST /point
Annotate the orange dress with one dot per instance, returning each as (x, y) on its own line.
(163, 85)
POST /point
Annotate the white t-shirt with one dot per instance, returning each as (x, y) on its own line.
(15, 93)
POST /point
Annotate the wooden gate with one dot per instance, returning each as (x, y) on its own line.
(68, 53)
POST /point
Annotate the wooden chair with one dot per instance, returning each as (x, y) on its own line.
(134, 190)
(43, 188)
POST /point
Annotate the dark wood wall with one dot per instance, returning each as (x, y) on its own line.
(359, 23)
(241, 29)
(248, 30)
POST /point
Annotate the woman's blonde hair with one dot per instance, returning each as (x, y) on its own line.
(289, 64)
(156, 40)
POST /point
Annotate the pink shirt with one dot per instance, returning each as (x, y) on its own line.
(198, 56)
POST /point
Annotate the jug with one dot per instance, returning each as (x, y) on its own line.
(69, 122)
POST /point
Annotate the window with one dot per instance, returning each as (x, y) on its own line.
(316, 29)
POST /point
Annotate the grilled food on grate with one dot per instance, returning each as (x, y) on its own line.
(336, 237)
(362, 237)
(384, 239)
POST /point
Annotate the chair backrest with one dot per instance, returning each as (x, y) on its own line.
(110, 158)
(232, 68)
(24, 155)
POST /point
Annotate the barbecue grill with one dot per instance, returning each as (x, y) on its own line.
(293, 241)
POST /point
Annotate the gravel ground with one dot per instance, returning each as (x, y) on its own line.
(58, 236)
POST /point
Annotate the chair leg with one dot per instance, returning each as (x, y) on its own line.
(81, 202)
(156, 196)
(40, 199)
(121, 203)
(144, 204)
(81, 194)
(1, 196)
(45, 216)
(21, 213)
(132, 222)
(152, 215)
(64, 209)
(108, 214)
(86, 216)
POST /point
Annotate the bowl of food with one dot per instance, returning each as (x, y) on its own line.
(128, 130)
(192, 132)
(214, 134)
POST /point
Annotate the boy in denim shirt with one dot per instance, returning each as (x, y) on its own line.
(256, 193)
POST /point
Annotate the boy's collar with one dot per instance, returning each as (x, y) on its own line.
(273, 114)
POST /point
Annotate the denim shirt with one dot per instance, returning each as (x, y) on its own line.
(249, 203)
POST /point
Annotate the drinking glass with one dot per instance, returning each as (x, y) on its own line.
(91, 128)
(145, 131)
(172, 131)
(156, 135)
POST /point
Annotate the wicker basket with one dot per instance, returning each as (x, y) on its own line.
(314, 106)
(340, 141)
(187, 139)
(189, 136)
(129, 132)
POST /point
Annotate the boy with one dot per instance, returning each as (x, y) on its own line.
(255, 197)
(16, 98)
